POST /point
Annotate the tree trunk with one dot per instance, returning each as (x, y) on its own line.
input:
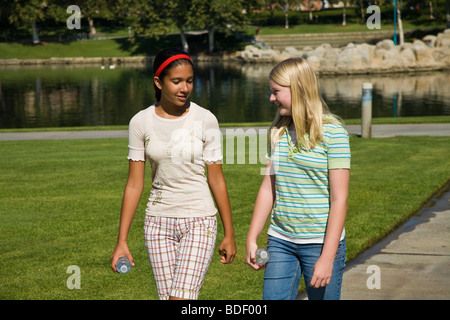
(400, 26)
(92, 31)
(211, 31)
(344, 14)
(184, 43)
(448, 13)
(363, 15)
(35, 33)
(286, 16)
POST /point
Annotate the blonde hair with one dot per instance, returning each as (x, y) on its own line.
(308, 107)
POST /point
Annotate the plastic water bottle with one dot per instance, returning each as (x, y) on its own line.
(262, 256)
(123, 265)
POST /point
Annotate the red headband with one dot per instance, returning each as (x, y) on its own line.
(173, 58)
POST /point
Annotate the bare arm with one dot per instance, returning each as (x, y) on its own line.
(339, 182)
(263, 207)
(131, 197)
(218, 187)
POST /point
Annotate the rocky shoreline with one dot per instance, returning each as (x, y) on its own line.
(430, 53)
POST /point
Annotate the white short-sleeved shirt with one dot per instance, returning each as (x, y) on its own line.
(177, 150)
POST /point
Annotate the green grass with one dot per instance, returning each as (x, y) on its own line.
(333, 28)
(60, 204)
(85, 48)
(123, 47)
(313, 28)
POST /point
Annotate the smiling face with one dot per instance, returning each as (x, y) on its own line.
(281, 97)
(176, 86)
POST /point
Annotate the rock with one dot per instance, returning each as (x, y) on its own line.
(423, 55)
(314, 61)
(292, 51)
(419, 44)
(350, 59)
(442, 55)
(364, 58)
(255, 54)
(379, 53)
(443, 39)
(429, 40)
(385, 44)
(391, 59)
(407, 57)
(329, 59)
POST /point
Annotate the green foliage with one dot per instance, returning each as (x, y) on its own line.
(159, 18)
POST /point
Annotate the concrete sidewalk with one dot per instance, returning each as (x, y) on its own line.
(412, 263)
(391, 130)
(378, 131)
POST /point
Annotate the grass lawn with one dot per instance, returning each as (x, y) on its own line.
(333, 28)
(83, 48)
(60, 204)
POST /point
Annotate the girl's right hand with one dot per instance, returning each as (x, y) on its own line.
(251, 256)
(120, 251)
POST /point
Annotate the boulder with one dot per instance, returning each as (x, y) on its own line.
(430, 53)
(429, 40)
(385, 44)
(423, 55)
(407, 57)
(314, 61)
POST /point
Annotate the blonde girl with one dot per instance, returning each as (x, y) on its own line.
(305, 190)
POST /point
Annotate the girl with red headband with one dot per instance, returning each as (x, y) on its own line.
(179, 138)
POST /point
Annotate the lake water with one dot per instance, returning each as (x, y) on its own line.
(65, 96)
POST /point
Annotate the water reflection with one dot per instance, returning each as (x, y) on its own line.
(91, 96)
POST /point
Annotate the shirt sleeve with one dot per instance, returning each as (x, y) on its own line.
(212, 143)
(136, 140)
(338, 144)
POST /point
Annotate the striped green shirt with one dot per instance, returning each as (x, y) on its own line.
(301, 183)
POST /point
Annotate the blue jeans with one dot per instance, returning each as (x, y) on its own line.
(287, 263)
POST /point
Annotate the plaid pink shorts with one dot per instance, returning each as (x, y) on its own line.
(180, 251)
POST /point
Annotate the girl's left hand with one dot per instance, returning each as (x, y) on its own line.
(227, 250)
(322, 273)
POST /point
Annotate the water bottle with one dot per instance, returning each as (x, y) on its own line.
(262, 256)
(123, 265)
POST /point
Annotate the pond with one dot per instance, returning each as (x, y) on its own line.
(66, 96)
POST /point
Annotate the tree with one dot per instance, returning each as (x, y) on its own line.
(286, 6)
(152, 18)
(398, 20)
(28, 12)
(400, 24)
(91, 8)
(142, 15)
(178, 11)
(217, 14)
